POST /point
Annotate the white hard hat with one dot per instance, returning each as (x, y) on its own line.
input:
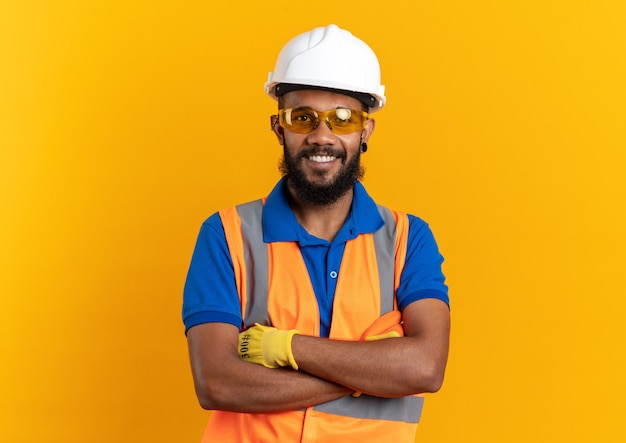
(328, 58)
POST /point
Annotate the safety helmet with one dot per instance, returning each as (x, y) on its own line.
(328, 58)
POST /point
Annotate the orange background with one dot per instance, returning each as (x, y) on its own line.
(123, 125)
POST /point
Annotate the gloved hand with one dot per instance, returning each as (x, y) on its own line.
(267, 346)
(386, 326)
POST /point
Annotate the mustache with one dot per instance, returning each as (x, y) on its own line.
(322, 150)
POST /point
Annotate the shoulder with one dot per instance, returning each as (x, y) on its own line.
(400, 220)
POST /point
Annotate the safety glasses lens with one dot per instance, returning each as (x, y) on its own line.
(305, 120)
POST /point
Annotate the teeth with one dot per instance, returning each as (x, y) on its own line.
(321, 158)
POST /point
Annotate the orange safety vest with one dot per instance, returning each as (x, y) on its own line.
(264, 273)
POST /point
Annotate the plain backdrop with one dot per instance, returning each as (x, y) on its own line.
(125, 124)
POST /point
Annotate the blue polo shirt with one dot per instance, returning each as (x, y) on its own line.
(210, 293)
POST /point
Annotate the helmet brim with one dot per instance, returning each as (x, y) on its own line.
(367, 99)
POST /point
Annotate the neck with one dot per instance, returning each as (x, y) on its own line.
(322, 221)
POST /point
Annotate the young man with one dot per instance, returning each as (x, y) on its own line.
(315, 314)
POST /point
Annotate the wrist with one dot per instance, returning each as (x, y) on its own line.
(276, 347)
(290, 338)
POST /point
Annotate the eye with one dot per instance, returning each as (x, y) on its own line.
(303, 116)
(343, 114)
(343, 118)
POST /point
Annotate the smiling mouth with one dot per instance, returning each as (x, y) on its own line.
(322, 158)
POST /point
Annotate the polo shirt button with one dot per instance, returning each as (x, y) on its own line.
(333, 274)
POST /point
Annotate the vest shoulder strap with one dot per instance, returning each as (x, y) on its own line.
(256, 263)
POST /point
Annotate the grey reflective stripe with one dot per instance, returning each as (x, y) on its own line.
(255, 257)
(404, 409)
(385, 246)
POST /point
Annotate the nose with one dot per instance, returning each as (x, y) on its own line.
(322, 134)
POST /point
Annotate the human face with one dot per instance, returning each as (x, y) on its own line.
(320, 167)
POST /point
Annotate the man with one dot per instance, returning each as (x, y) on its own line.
(314, 314)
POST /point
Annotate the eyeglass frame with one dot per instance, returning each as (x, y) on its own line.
(320, 116)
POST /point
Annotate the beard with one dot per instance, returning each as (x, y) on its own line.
(320, 194)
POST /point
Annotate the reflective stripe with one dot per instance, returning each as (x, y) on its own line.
(384, 243)
(255, 256)
(404, 409)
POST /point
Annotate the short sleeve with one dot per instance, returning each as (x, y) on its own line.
(422, 276)
(210, 293)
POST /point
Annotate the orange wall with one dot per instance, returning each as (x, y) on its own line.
(124, 124)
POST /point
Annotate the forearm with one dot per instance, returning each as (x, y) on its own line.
(386, 368)
(223, 381)
(252, 388)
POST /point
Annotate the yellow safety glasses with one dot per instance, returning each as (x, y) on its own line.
(305, 120)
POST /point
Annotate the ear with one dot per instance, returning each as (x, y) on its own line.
(366, 133)
(276, 128)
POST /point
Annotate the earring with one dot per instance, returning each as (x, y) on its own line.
(363, 147)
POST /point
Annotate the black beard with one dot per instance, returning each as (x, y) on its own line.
(320, 195)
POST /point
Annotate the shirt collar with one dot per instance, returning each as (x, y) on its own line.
(280, 223)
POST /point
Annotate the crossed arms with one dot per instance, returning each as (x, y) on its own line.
(328, 369)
